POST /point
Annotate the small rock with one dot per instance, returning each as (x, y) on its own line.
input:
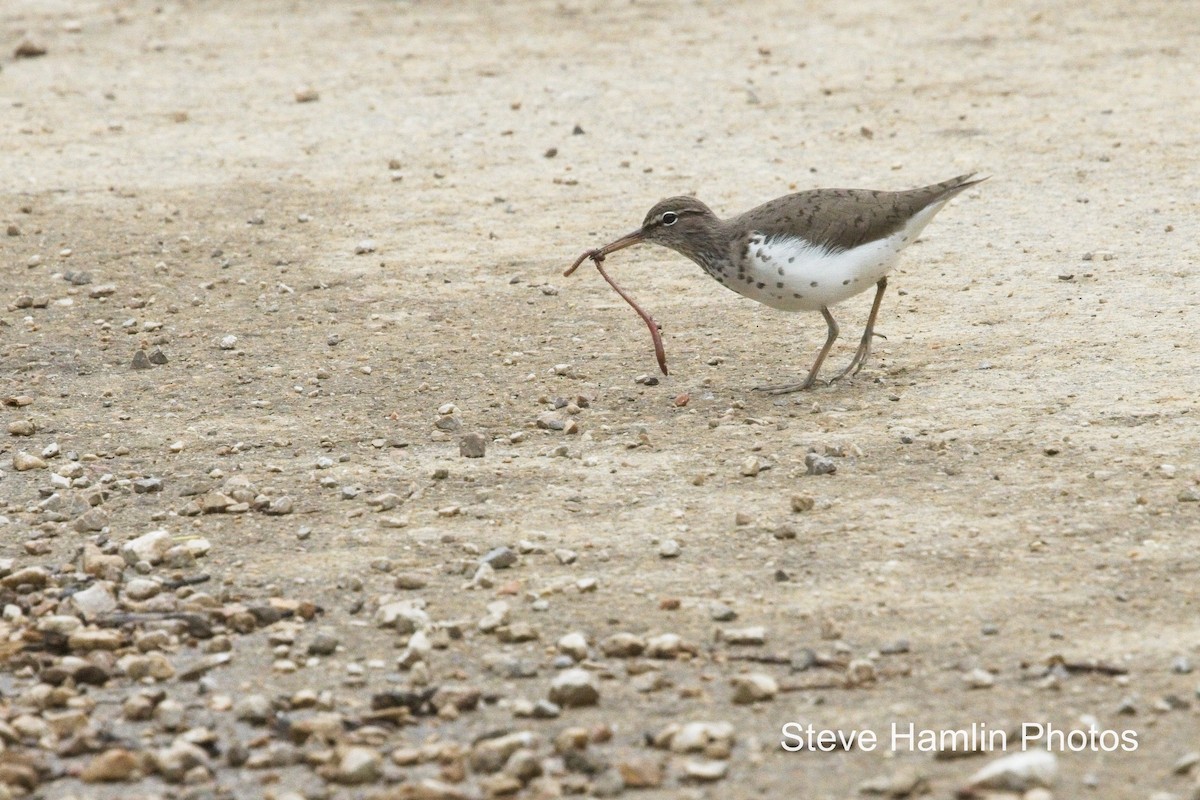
(253, 708)
(357, 765)
(574, 688)
(228, 342)
(551, 422)
(640, 771)
(306, 94)
(147, 485)
(979, 679)
(22, 461)
(719, 612)
(22, 427)
(750, 467)
(500, 558)
(472, 445)
(325, 643)
(756, 635)
(802, 503)
(140, 360)
(491, 754)
(819, 465)
(87, 640)
(1018, 772)
(403, 615)
(669, 549)
(157, 356)
(410, 581)
(574, 644)
(95, 601)
(29, 49)
(94, 519)
(623, 645)
(753, 687)
(280, 506)
(364, 247)
(705, 770)
(112, 766)
(860, 672)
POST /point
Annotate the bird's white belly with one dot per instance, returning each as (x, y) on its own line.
(795, 275)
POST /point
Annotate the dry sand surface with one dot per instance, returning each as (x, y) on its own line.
(1010, 536)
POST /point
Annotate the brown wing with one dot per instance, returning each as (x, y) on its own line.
(845, 218)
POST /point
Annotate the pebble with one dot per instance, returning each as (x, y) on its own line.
(566, 557)
(112, 766)
(755, 635)
(574, 688)
(140, 360)
(551, 422)
(1018, 772)
(750, 467)
(22, 427)
(170, 715)
(979, 679)
(860, 672)
(95, 601)
(705, 770)
(623, 645)
(87, 640)
(753, 687)
(802, 503)
(500, 558)
(573, 644)
(719, 612)
(149, 547)
(819, 465)
(306, 94)
(1182, 666)
(147, 485)
(364, 247)
(325, 643)
(29, 49)
(714, 739)
(92, 520)
(905, 782)
(641, 771)
(471, 445)
(176, 762)
(228, 342)
(491, 754)
(357, 765)
(1185, 763)
(403, 615)
(669, 549)
(253, 708)
(280, 506)
(665, 645)
(22, 461)
(410, 581)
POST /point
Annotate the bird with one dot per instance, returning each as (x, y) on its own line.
(805, 251)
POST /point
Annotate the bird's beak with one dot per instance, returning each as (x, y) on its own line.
(620, 244)
(625, 241)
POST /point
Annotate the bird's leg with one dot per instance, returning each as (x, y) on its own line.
(864, 347)
(816, 367)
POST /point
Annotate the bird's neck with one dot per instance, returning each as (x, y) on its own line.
(708, 246)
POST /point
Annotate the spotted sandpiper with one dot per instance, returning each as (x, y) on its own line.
(802, 252)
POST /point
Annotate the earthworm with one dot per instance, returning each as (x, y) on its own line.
(598, 260)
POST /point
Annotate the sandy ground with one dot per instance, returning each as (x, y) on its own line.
(1013, 465)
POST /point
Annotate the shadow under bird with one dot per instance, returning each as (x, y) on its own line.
(801, 252)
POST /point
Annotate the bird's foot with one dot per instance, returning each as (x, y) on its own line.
(788, 388)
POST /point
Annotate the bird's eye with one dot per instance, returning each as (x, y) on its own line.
(670, 218)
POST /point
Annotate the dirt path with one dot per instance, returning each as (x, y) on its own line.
(1016, 467)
